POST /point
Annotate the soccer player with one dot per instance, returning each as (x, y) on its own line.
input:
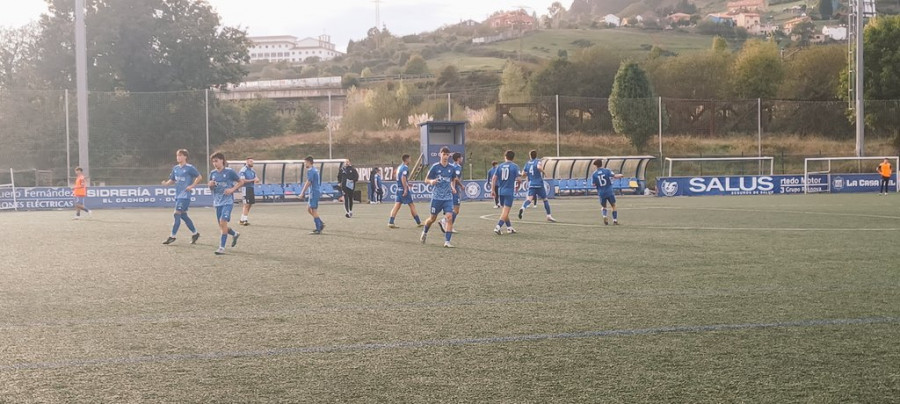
(885, 170)
(185, 177)
(534, 170)
(248, 175)
(347, 177)
(456, 163)
(602, 180)
(441, 176)
(490, 175)
(504, 182)
(314, 184)
(79, 191)
(223, 181)
(377, 192)
(404, 196)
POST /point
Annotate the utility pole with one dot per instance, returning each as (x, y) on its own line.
(81, 88)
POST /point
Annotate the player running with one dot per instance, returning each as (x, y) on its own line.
(504, 181)
(185, 177)
(441, 176)
(404, 196)
(602, 180)
(534, 170)
(456, 161)
(224, 181)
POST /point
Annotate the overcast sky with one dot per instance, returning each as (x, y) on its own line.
(342, 19)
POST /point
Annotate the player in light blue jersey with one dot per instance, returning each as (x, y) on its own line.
(602, 180)
(185, 177)
(490, 175)
(456, 161)
(404, 195)
(442, 177)
(534, 170)
(505, 182)
(224, 181)
(314, 184)
(248, 174)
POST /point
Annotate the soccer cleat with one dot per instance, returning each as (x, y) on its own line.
(347, 215)
(510, 230)
(605, 220)
(234, 239)
(194, 238)
(393, 226)
(496, 206)
(76, 217)
(448, 245)
(420, 224)
(521, 210)
(169, 240)
(441, 226)
(351, 213)
(315, 232)
(615, 222)
(220, 251)
(551, 219)
(497, 230)
(242, 222)
(423, 237)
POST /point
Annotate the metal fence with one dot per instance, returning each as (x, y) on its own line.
(133, 136)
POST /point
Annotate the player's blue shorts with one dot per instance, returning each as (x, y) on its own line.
(539, 191)
(314, 200)
(79, 200)
(224, 212)
(506, 200)
(438, 206)
(406, 200)
(182, 205)
(611, 198)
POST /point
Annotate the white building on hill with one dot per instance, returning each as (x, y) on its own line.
(289, 49)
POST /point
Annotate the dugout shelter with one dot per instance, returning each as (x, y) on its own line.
(436, 134)
(573, 173)
(280, 178)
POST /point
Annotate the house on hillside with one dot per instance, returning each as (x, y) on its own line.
(676, 18)
(746, 5)
(835, 33)
(748, 21)
(287, 48)
(791, 24)
(518, 19)
(612, 20)
(718, 18)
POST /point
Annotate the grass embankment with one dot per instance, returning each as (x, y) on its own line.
(484, 145)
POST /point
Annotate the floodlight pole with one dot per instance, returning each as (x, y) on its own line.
(557, 125)
(208, 153)
(329, 125)
(860, 113)
(68, 142)
(81, 87)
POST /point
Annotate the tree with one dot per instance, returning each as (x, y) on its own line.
(307, 119)
(17, 52)
(513, 84)
(632, 106)
(150, 45)
(757, 71)
(826, 9)
(416, 65)
(449, 77)
(881, 44)
(261, 117)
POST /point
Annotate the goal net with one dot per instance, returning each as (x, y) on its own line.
(831, 168)
(726, 166)
(8, 193)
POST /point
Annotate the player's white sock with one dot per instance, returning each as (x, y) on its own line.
(243, 218)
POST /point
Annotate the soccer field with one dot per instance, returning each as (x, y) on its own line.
(709, 299)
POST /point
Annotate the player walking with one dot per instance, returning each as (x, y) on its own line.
(404, 196)
(602, 180)
(441, 176)
(79, 192)
(456, 162)
(224, 182)
(185, 177)
(314, 184)
(248, 175)
(504, 181)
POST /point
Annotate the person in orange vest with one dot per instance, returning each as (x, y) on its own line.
(885, 170)
(79, 191)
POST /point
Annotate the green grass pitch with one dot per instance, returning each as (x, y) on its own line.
(713, 299)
